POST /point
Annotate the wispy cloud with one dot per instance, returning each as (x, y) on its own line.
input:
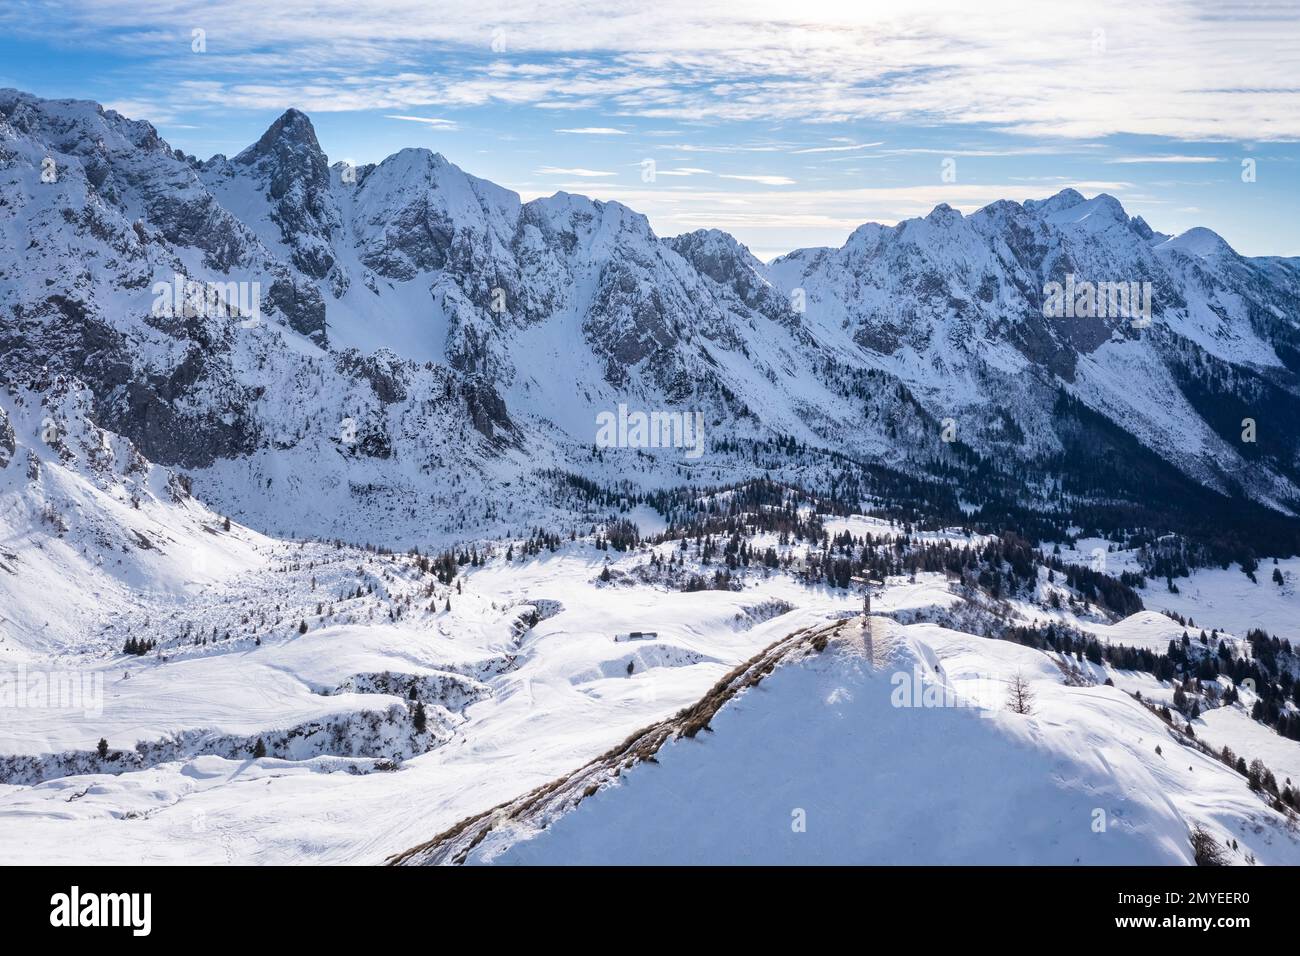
(994, 152)
(837, 149)
(157, 113)
(1165, 159)
(725, 148)
(435, 122)
(584, 173)
(1166, 69)
(757, 178)
(595, 131)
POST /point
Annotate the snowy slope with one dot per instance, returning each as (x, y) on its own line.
(832, 760)
(89, 528)
(524, 677)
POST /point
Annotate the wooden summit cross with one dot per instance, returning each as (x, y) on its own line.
(867, 643)
(867, 584)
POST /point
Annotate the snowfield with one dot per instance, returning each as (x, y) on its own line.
(523, 681)
(821, 764)
(567, 694)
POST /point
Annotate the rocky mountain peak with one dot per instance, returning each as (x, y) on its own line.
(291, 133)
(296, 178)
(1198, 241)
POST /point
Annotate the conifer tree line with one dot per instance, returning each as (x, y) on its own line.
(1105, 484)
(1194, 666)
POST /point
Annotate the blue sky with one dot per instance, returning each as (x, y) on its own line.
(786, 125)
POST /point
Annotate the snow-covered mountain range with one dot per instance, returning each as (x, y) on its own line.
(405, 332)
(311, 549)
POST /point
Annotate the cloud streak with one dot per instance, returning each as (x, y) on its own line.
(431, 121)
(583, 173)
(756, 178)
(1134, 160)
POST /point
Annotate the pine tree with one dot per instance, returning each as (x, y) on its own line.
(102, 748)
(1255, 774)
(302, 627)
(259, 748)
(418, 717)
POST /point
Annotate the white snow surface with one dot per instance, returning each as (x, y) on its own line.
(821, 764)
(534, 684)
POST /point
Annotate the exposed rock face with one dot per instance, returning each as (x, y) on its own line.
(384, 371)
(295, 178)
(301, 305)
(409, 315)
(486, 410)
(7, 441)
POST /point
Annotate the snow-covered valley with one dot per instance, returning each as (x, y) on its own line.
(892, 744)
